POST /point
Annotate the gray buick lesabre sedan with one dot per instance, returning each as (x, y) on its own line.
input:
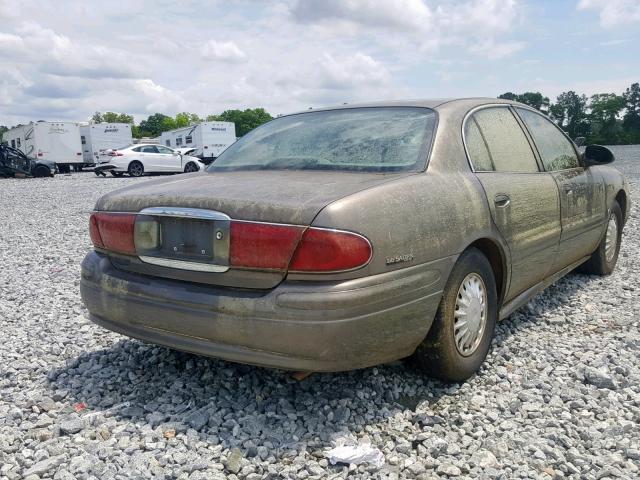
(346, 237)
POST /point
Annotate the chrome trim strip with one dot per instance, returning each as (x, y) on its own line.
(183, 265)
(184, 212)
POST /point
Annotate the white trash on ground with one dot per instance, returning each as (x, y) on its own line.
(349, 451)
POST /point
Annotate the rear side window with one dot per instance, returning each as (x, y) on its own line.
(509, 149)
(555, 149)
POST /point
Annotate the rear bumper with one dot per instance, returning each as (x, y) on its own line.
(296, 326)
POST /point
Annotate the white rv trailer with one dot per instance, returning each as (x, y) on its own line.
(55, 141)
(97, 137)
(209, 139)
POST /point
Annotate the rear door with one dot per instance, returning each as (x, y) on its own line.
(582, 197)
(523, 200)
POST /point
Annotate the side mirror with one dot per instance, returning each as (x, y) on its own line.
(597, 155)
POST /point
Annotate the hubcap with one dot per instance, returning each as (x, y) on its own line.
(470, 316)
(611, 240)
(136, 169)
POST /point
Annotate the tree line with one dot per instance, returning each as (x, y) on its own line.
(603, 118)
(154, 125)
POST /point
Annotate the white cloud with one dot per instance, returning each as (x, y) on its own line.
(353, 71)
(613, 12)
(205, 57)
(412, 14)
(222, 51)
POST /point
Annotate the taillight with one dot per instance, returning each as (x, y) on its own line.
(40, 154)
(324, 250)
(253, 245)
(262, 245)
(115, 153)
(113, 231)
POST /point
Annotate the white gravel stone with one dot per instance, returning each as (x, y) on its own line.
(558, 395)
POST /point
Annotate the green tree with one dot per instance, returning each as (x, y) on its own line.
(245, 120)
(533, 99)
(111, 117)
(156, 124)
(631, 119)
(603, 118)
(184, 119)
(570, 113)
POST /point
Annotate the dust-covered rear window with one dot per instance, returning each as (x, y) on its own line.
(368, 139)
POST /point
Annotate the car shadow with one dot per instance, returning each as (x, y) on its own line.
(161, 388)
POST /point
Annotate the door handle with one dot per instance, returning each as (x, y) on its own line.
(502, 200)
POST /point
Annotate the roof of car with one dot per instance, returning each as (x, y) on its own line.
(433, 103)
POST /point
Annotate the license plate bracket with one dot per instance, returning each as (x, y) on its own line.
(184, 238)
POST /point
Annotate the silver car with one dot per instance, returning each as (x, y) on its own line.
(347, 237)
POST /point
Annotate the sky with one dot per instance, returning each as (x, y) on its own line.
(64, 60)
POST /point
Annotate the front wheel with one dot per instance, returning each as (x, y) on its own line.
(136, 169)
(190, 167)
(43, 172)
(459, 339)
(603, 260)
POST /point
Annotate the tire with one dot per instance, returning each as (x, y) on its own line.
(117, 174)
(603, 260)
(440, 355)
(136, 169)
(190, 167)
(42, 171)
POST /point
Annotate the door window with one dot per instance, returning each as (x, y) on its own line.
(509, 149)
(477, 148)
(555, 149)
(149, 149)
(162, 149)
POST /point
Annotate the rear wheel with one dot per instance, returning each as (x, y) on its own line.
(461, 334)
(190, 167)
(136, 169)
(603, 260)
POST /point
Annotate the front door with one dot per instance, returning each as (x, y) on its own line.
(523, 201)
(582, 197)
(171, 160)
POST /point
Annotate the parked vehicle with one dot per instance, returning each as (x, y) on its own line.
(342, 238)
(15, 163)
(98, 137)
(141, 158)
(58, 142)
(208, 139)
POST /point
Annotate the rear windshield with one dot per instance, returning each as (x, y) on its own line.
(376, 139)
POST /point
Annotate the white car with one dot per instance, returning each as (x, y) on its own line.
(138, 159)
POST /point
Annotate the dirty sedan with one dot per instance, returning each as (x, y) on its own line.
(342, 238)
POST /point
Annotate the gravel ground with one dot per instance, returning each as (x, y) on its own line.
(559, 395)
